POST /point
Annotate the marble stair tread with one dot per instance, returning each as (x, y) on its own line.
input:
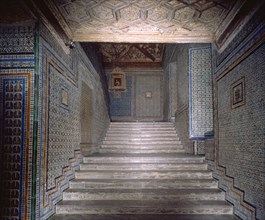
(143, 194)
(131, 174)
(141, 142)
(135, 139)
(176, 155)
(143, 183)
(143, 129)
(142, 132)
(114, 125)
(143, 166)
(143, 146)
(126, 150)
(143, 158)
(143, 217)
(144, 207)
(141, 135)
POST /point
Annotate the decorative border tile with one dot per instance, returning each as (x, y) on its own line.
(201, 93)
(15, 137)
(236, 196)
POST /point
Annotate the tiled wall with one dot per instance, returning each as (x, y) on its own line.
(200, 94)
(132, 103)
(240, 120)
(16, 118)
(40, 87)
(176, 62)
(62, 73)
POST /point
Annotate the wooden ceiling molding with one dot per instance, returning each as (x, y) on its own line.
(142, 21)
(131, 54)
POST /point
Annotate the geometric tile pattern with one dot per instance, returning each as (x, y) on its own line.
(63, 123)
(201, 93)
(240, 131)
(59, 151)
(233, 194)
(14, 90)
(17, 39)
(153, 20)
(59, 138)
(17, 60)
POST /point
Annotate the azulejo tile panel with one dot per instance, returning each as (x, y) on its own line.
(14, 107)
(17, 39)
(17, 61)
(59, 136)
(63, 123)
(240, 128)
(200, 93)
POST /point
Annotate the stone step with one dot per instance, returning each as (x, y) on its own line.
(142, 129)
(134, 207)
(143, 146)
(141, 123)
(140, 151)
(130, 125)
(141, 142)
(141, 135)
(143, 158)
(143, 217)
(144, 194)
(144, 139)
(144, 183)
(143, 166)
(136, 174)
(141, 132)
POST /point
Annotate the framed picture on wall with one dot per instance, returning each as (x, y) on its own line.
(238, 93)
(64, 97)
(118, 80)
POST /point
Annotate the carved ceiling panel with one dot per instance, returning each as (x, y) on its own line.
(142, 20)
(124, 54)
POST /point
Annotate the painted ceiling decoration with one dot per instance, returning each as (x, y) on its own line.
(124, 53)
(149, 21)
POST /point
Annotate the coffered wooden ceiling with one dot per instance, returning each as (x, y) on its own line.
(124, 54)
(143, 20)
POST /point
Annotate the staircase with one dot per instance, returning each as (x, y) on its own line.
(142, 172)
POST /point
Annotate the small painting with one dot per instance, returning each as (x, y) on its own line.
(238, 93)
(118, 82)
(148, 94)
(64, 97)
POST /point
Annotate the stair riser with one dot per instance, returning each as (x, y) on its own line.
(139, 151)
(142, 142)
(137, 139)
(141, 160)
(141, 132)
(143, 184)
(141, 196)
(145, 146)
(143, 167)
(140, 135)
(142, 175)
(77, 209)
(142, 128)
